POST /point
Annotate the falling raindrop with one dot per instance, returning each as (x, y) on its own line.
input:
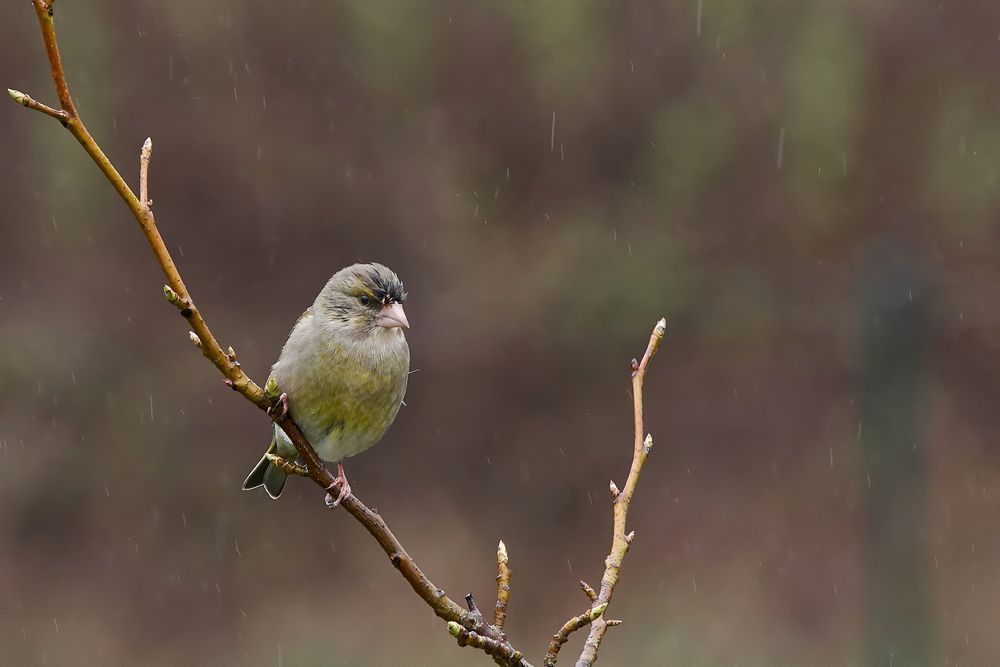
(781, 146)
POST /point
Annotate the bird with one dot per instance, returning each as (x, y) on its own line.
(342, 374)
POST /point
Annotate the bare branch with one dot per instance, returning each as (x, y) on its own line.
(468, 627)
(568, 628)
(478, 633)
(503, 587)
(620, 540)
(28, 101)
(501, 652)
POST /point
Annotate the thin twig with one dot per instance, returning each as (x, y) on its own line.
(144, 157)
(503, 587)
(620, 540)
(501, 652)
(568, 628)
(32, 103)
(479, 633)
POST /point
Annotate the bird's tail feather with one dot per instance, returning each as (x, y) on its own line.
(266, 474)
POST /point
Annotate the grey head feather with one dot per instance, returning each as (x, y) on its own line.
(353, 296)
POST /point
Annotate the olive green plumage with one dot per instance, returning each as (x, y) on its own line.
(344, 369)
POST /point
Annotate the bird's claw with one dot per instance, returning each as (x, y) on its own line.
(278, 411)
(345, 489)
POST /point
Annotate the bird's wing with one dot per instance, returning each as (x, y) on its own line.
(304, 319)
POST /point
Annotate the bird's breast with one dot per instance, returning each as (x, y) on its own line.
(345, 402)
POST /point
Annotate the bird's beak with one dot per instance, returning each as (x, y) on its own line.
(392, 316)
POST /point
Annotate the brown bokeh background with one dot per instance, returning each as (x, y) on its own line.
(807, 190)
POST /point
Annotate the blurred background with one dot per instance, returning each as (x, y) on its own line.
(807, 190)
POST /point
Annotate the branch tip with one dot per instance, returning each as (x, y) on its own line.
(661, 328)
(144, 157)
(503, 587)
(28, 101)
(588, 590)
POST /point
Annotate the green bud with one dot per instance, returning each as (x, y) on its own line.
(170, 294)
(271, 389)
(18, 96)
(598, 611)
(454, 629)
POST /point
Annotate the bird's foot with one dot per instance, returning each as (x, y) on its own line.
(345, 488)
(286, 466)
(278, 411)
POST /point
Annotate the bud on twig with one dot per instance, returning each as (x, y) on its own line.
(597, 612)
(171, 295)
(194, 339)
(614, 490)
(271, 389)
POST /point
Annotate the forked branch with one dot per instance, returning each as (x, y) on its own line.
(225, 360)
(467, 626)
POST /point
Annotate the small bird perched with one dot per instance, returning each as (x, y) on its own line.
(342, 372)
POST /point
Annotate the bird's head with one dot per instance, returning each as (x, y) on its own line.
(364, 299)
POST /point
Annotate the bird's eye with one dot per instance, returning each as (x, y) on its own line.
(364, 299)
